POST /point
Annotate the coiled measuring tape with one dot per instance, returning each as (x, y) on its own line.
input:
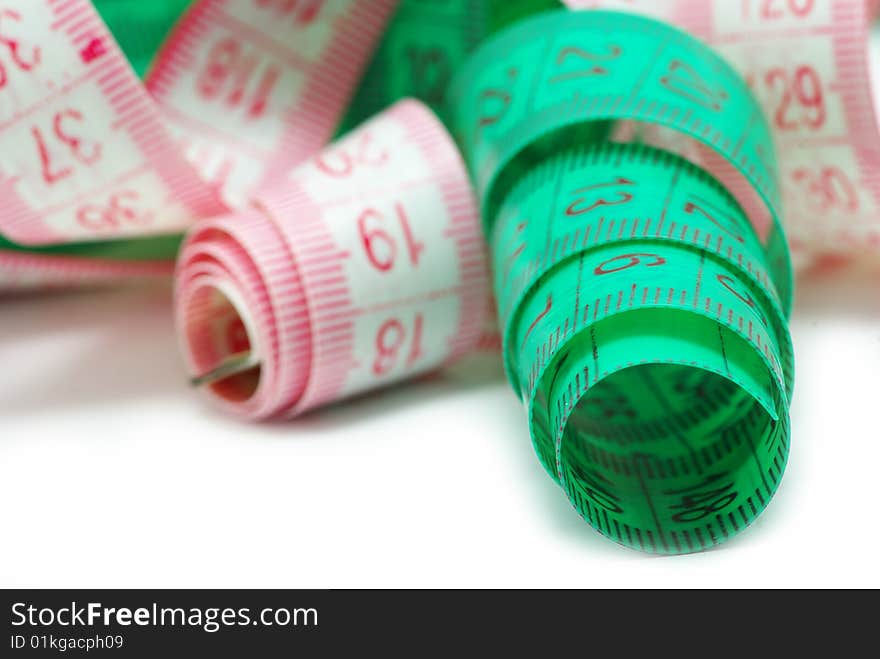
(326, 288)
(807, 61)
(365, 266)
(809, 64)
(643, 311)
(238, 94)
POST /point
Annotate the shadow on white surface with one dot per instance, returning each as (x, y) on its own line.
(501, 417)
(94, 383)
(87, 348)
(100, 347)
(437, 472)
(474, 372)
(96, 347)
(842, 294)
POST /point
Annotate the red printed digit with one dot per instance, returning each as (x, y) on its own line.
(87, 153)
(727, 225)
(494, 102)
(830, 188)
(808, 91)
(309, 12)
(415, 351)
(341, 164)
(413, 247)
(839, 189)
(589, 61)
(770, 10)
(267, 83)
(218, 68)
(389, 341)
(578, 207)
(729, 283)
(241, 75)
(519, 249)
(304, 11)
(230, 71)
(337, 164)
(780, 116)
(64, 132)
(683, 80)
(800, 8)
(805, 88)
(547, 307)
(486, 98)
(50, 174)
(380, 247)
(631, 260)
(120, 210)
(14, 48)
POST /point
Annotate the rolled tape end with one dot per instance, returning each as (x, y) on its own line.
(219, 345)
(234, 365)
(227, 313)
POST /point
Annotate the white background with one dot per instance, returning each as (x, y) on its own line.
(113, 473)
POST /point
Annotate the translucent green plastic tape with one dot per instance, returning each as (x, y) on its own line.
(644, 318)
(425, 43)
(140, 27)
(135, 249)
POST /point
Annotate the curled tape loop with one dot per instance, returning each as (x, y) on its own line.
(810, 67)
(364, 267)
(808, 64)
(238, 94)
(643, 300)
(643, 289)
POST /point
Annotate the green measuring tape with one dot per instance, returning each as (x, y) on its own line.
(644, 320)
(140, 28)
(426, 42)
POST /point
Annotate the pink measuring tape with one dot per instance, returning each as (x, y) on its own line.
(89, 153)
(279, 323)
(365, 266)
(302, 284)
(307, 69)
(807, 61)
(23, 271)
(84, 150)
